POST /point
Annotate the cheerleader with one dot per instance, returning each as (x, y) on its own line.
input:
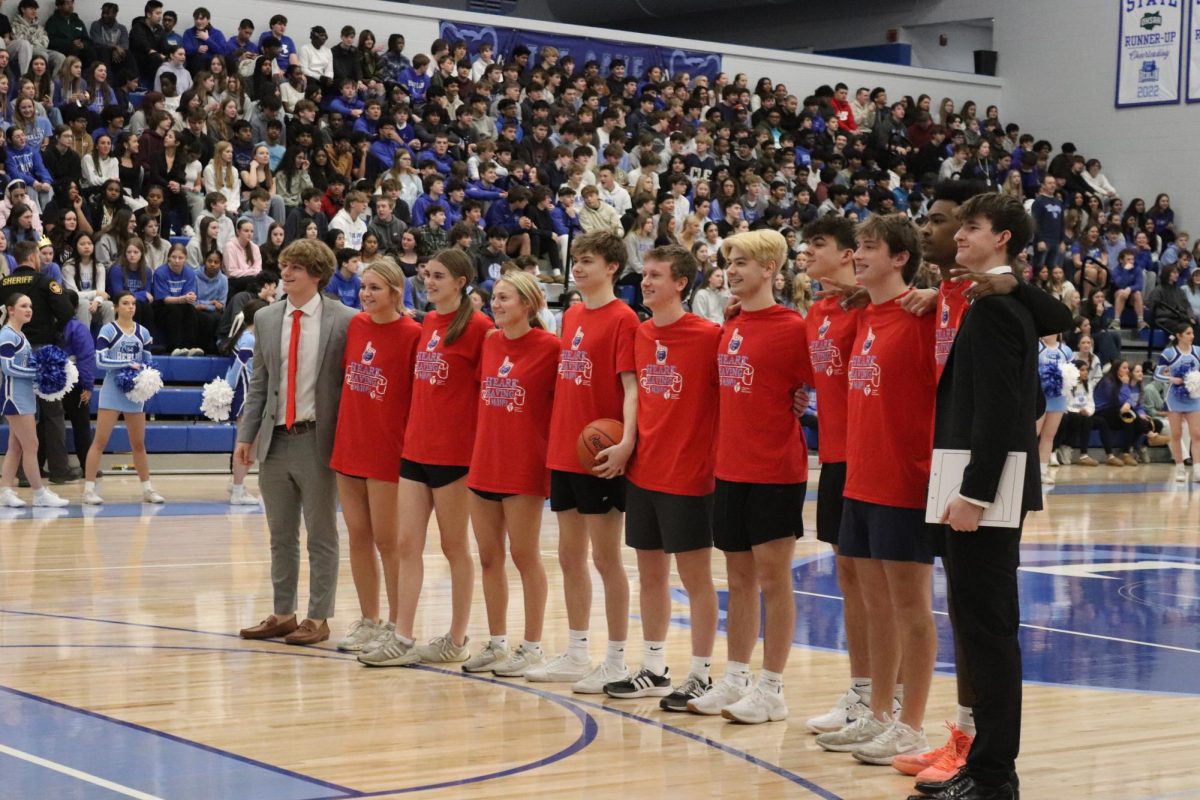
(509, 481)
(438, 441)
(238, 378)
(381, 345)
(19, 406)
(121, 344)
(1052, 354)
(1176, 361)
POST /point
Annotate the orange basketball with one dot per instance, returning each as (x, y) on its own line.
(597, 435)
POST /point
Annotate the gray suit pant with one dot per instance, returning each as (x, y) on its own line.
(294, 481)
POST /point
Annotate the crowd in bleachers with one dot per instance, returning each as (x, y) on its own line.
(176, 161)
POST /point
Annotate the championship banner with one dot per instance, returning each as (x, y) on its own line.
(1193, 53)
(638, 57)
(1149, 46)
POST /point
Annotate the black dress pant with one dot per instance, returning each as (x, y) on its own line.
(80, 417)
(176, 324)
(981, 574)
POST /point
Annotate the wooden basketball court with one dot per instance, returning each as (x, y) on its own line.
(121, 674)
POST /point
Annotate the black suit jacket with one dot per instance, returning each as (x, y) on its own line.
(987, 396)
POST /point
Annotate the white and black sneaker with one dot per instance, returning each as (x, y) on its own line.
(690, 689)
(643, 683)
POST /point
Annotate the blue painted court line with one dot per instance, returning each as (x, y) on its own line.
(119, 751)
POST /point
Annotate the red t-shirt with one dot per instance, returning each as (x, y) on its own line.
(952, 305)
(889, 439)
(513, 430)
(597, 346)
(376, 391)
(762, 361)
(845, 115)
(677, 406)
(831, 330)
(441, 423)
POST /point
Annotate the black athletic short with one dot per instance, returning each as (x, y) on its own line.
(886, 533)
(495, 497)
(830, 486)
(587, 494)
(746, 514)
(672, 523)
(435, 476)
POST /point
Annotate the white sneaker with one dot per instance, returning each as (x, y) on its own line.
(361, 631)
(179, 351)
(1047, 478)
(391, 653)
(859, 732)
(848, 708)
(442, 650)
(560, 669)
(757, 707)
(1181, 475)
(486, 659)
(383, 635)
(48, 499)
(92, 499)
(196, 351)
(1054, 461)
(724, 692)
(238, 496)
(600, 677)
(518, 663)
(1196, 474)
(897, 740)
(151, 496)
(9, 499)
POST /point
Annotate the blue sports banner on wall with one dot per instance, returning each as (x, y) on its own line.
(1149, 47)
(638, 57)
(1193, 51)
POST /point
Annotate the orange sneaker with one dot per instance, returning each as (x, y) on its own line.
(952, 760)
(917, 763)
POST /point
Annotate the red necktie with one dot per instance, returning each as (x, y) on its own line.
(293, 359)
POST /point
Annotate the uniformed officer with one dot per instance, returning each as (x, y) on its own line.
(51, 311)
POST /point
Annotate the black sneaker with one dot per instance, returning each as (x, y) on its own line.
(642, 683)
(690, 689)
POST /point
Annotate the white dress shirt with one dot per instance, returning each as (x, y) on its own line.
(310, 360)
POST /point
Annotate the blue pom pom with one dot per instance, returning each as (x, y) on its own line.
(51, 364)
(1180, 390)
(125, 378)
(1052, 379)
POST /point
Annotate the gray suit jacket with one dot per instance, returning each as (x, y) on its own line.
(261, 414)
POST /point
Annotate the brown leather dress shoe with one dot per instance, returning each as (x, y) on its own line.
(309, 632)
(270, 628)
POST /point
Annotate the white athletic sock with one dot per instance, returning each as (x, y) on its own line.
(500, 642)
(738, 672)
(654, 657)
(578, 647)
(532, 647)
(407, 642)
(966, 720)
(89, 486)
(771, 682)
(702, 666)
(147, 487)
(862, 687)
(899, 694)
(615, 657)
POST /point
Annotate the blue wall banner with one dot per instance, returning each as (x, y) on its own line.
(1149, 47)
(638, 57)
(1193, 53)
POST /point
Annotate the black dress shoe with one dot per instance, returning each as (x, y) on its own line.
(72, 474)
(934, 787)
(968, 789)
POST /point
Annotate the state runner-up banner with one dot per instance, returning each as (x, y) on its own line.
(1150, 40)
(1193, 53)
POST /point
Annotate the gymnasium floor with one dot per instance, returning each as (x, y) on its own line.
(121, 674)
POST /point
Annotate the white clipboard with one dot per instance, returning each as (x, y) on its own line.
(945, 481)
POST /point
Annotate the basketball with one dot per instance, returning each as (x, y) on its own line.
(597, 435)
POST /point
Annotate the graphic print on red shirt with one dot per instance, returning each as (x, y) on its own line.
(513, 428)
(831, 330)
(445, 398)
(762, 360)
(952, 305)
(597, 347)
(893, 386)
(376, 394)
(677, 406)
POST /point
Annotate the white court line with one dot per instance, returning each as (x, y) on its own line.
(132, 566)
(74, 773)
(1044, 628)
